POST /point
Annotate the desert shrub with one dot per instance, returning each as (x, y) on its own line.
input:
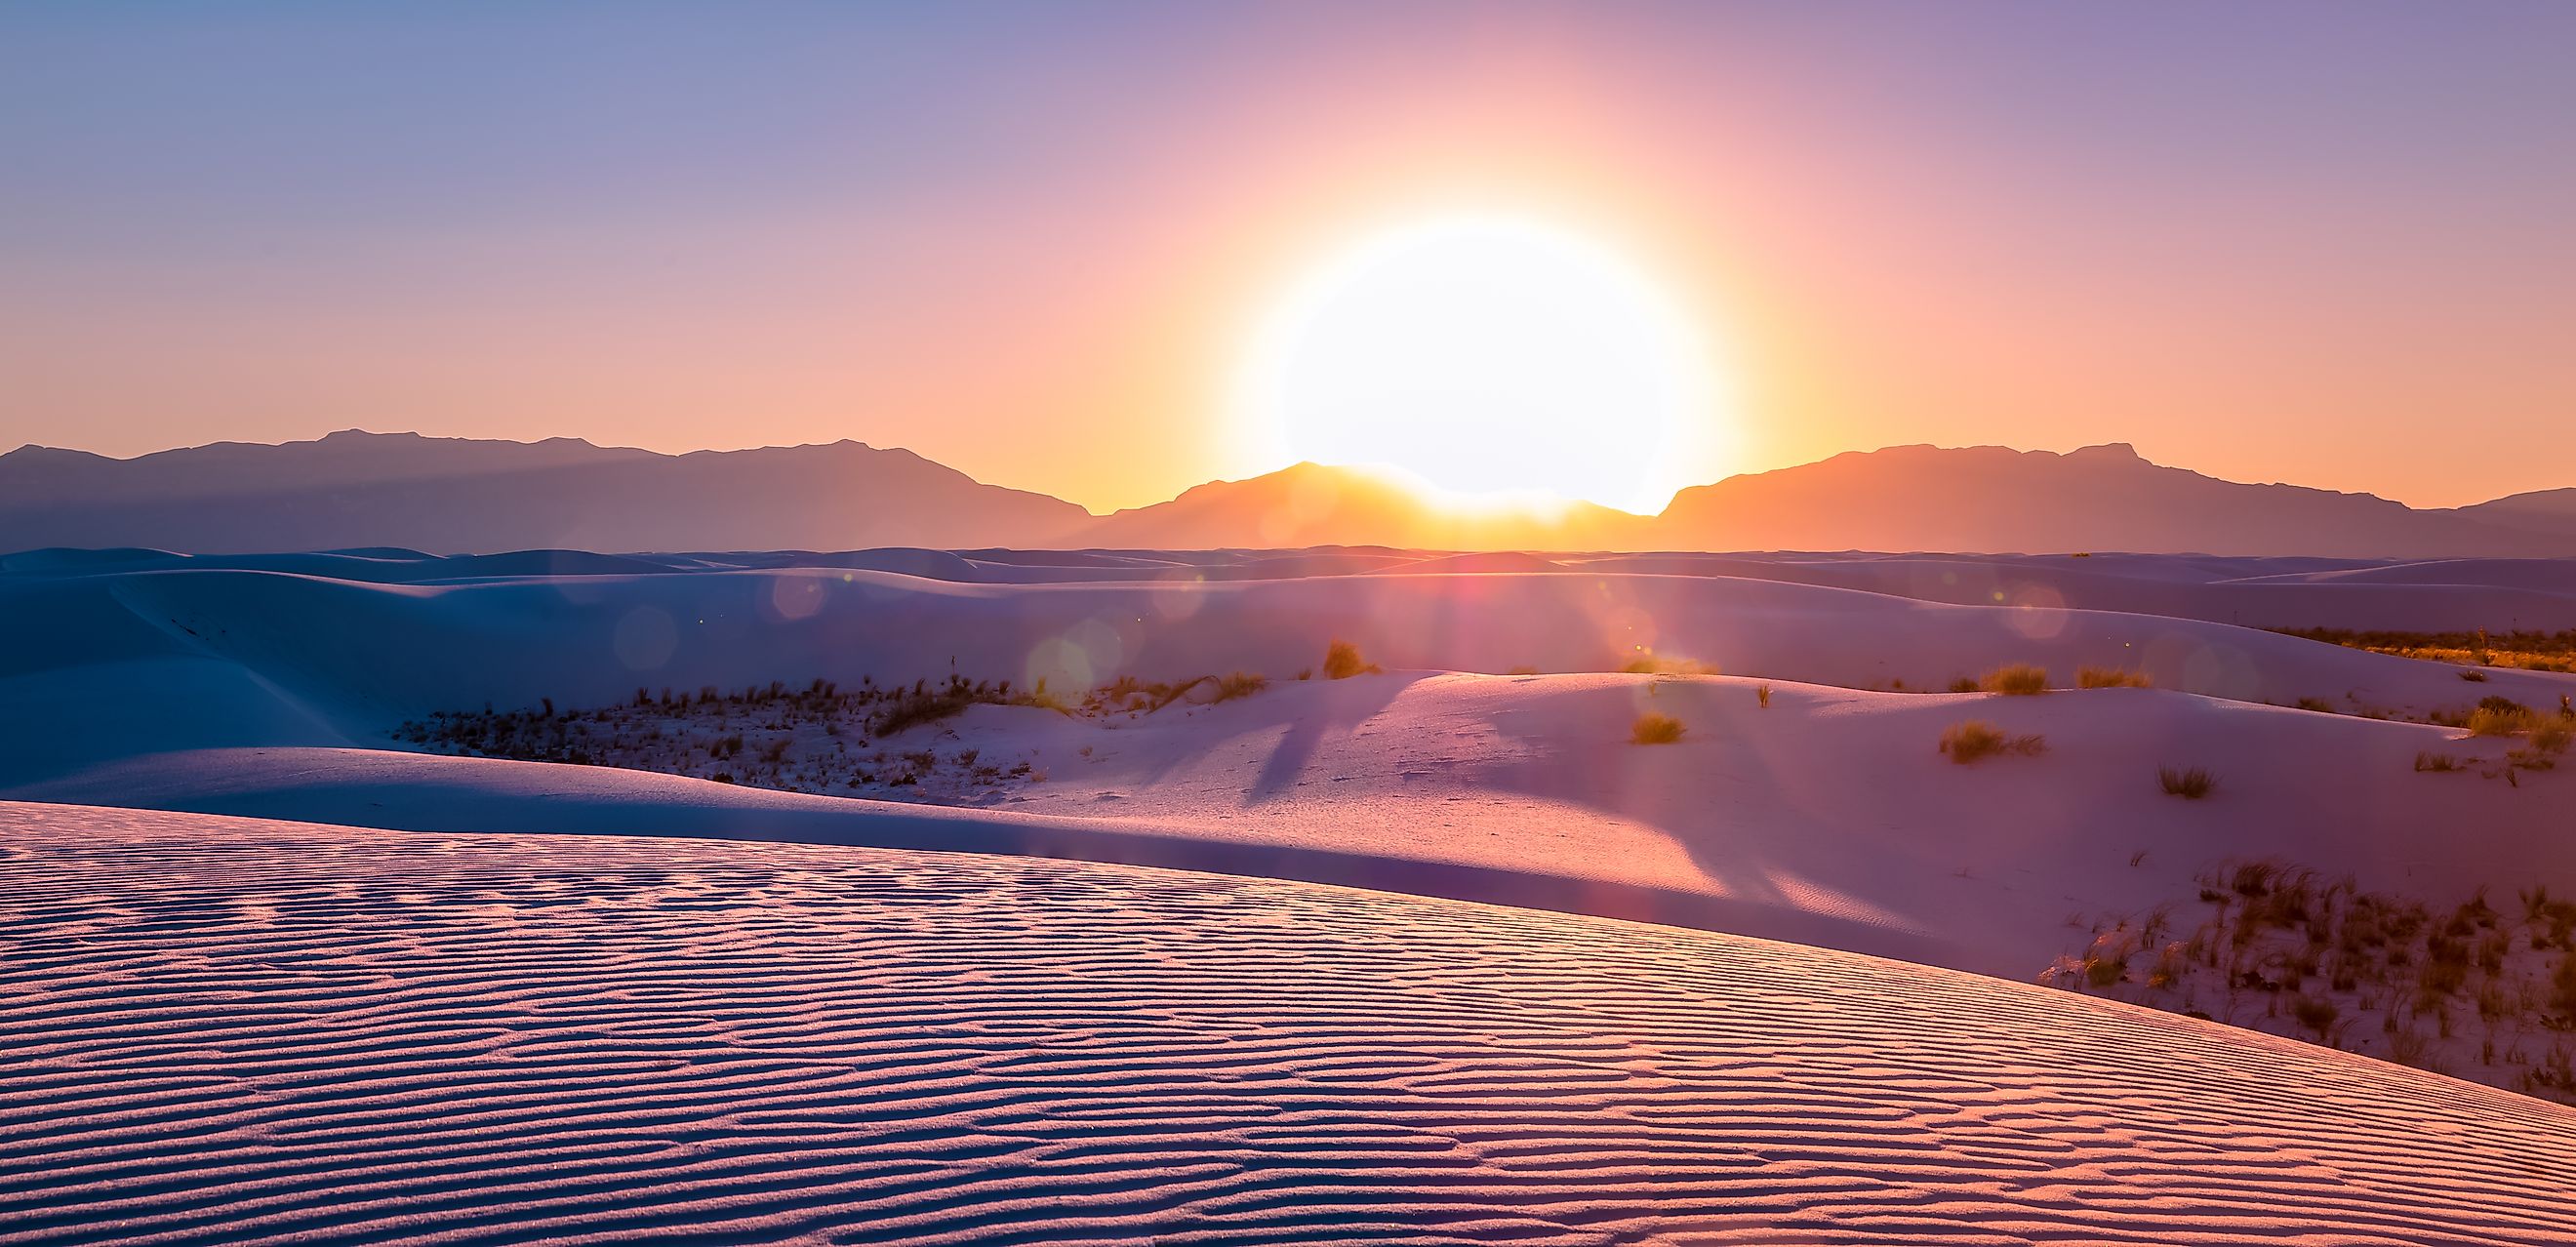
(1964, 684)
(1523, 669)
(1655, 729)
(1342, 660)
(1240, 684)
(2429, 761)
(2111, 677)
(2491, 719)
(1762, 696)
(1966, 742)
(2106, 962)
(2191, 784)
(2318, 705)
(2474, 677)
(2016, 680)
(2551, 736)
(2314, 1013)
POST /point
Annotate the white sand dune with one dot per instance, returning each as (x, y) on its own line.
(196, 658)
(233, 1031)
(1827, 817)
(1525, 790)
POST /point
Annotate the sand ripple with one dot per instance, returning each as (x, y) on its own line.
(223, 1030)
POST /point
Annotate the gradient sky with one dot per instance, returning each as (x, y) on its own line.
(2330, 243)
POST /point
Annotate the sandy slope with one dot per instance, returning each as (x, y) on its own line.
(1826, 818)
(191, 658)
(1526, 790)
(261, 1031)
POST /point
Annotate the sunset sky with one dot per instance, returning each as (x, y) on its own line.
(2328, 243)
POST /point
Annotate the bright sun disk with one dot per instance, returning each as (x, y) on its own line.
(1487, 355)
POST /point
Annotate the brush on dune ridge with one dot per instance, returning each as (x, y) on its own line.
(1342, 660)
(2016, 680)
(2111, 677)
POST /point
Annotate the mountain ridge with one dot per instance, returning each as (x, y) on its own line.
(464, 495)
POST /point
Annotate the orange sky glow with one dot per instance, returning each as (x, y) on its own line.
(2239, 246)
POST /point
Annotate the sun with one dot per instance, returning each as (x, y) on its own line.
(1487, 355)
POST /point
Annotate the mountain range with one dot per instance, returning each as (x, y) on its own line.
(355, 489)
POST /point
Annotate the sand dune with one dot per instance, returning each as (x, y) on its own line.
(314, 660)
(1825, 816)
(270, 1032)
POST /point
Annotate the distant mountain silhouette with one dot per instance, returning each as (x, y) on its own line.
(1314, 505)
(456, 496)
(2544, 511)
(1990, 499)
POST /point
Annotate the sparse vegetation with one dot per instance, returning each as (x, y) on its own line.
(2547, 740)
(2467, 989)
(2531, 651)
(2190, 784)
(1655, 729)
(1762, 696)
(821, 738)
(1964, 684)
(2499, 716)
(1974, 739)
(2111, 677)
(2426, 760)
(2016, 680)
(1342, 660)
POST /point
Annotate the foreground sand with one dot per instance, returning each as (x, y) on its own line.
(231, 1030)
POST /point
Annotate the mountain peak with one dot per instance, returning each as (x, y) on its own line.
(2108, 452)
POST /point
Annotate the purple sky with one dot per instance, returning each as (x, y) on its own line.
(2321, 242)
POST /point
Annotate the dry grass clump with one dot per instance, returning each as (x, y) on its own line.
(1964, 684)
(1762, 696)
(2500, 716)
(1342, 661)
(2111, 677)
(2019, 679)
(2190, 784)
(2548, 739)
(1240, 684)
(2426, 760)
(1655, 729)
(2552, 736)
(1976, 738)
